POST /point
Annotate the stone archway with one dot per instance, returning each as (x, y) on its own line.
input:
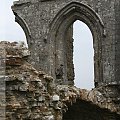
(61, 29)
(23, 25)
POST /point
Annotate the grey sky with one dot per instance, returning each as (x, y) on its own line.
(83, 56)
(9, 29)
(83, 49)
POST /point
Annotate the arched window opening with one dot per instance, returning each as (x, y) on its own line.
(83, 55)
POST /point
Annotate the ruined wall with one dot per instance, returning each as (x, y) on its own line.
(27, 91)
(2, 82)
(36, 18)
(32, 95)
(69, 56)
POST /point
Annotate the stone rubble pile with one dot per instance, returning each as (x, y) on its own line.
(96, 96)
(32, 94)
(27, 95)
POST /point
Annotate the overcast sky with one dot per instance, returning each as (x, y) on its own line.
(83, 46)
(9, 29)
(83, 56)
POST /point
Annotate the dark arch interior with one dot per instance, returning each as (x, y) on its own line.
(82, 110)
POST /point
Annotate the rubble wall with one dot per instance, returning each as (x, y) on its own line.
(32, 94)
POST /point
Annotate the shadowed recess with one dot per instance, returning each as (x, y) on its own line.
(82, 110)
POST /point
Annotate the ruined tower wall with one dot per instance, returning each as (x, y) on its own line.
(117, 42)
(36, 18)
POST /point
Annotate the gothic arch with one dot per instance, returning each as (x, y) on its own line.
(60, 25)
(23, 25)
(75, 6)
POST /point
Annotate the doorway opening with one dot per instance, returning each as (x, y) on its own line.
(83, 56)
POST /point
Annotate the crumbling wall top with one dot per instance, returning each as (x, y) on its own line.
(33, 95)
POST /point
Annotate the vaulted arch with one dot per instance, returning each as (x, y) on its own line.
(60, 26)
(80, 8)
(23, 25)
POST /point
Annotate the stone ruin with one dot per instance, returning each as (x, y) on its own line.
(29, 94)
(38, 84)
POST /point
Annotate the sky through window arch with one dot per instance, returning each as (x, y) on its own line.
(83, 55)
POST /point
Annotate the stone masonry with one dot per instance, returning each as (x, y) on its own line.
(38, 84)
(33, 95)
